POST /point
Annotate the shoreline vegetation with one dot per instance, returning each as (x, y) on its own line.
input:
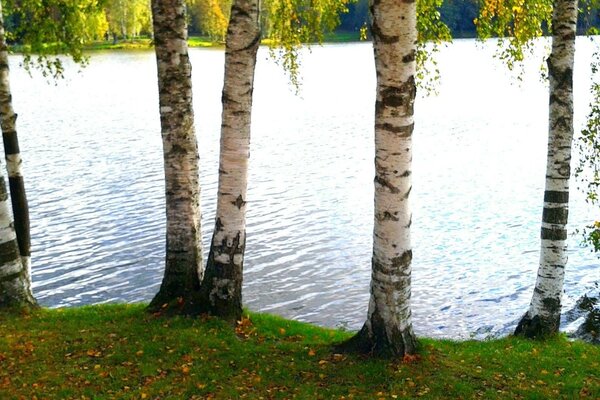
(145, 43)
(121, 351)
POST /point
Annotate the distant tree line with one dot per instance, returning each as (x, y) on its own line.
(459, 15)
(129, 19)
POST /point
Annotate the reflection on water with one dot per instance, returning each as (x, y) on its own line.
(93, 165)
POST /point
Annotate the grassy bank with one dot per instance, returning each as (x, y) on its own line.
(146, 43)
(105, 352)
(199, 41)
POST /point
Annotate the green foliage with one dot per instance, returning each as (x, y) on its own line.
(519, 21)
(588, 146)
(47, 28)
(121, 352)
(432, 31)
(288, 24)
(128, 18)
(210, 17)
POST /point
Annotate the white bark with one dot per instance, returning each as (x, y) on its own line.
(223, 282)
(15, 286)
(183, 269)
(543, 316)
(388, 328)
(15, 276)
(8, 119)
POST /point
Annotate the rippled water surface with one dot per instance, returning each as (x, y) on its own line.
(93, 166)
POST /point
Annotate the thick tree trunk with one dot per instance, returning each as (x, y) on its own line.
(222, 285)
(8, 120)
(388, 329)
(183, 269)
(543, 316)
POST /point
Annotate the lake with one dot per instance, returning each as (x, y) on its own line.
(93, 169)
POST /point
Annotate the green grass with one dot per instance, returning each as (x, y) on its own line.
(145, 44)
(120, 352)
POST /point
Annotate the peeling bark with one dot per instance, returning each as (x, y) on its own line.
(15, 243)
(183, 264)
(543, 316)
(388, 329)
(222, 284)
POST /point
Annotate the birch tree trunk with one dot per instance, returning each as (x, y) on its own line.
(183, 270)
(8, 120)
(222, 285)
(388, 329)
(15, 286)
(543, 316)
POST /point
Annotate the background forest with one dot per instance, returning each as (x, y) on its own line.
(129, 19)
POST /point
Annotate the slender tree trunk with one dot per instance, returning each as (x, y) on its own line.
(20, 207)
(183, 269)
(8, 120)
(543, 316)
(15, 287)
(388, 329)
(222, 285)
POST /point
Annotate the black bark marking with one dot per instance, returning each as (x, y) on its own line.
(11, 277)
(409, 57)
(403, 131)
(407, 194)
(384, 183)
(239, 202)
(551, 196)
(392, 97)
(387, 216)
(379, 36)
(11, 142)
(21, 214)
(552, 305)
(402, 261)
(9, 251)
(554, 234)
(555, 215)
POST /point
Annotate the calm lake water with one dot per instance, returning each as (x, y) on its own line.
(93, 166)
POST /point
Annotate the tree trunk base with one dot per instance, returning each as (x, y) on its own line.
(221, 290)
(15, 295)
(378, 344)
(536, 327)
(216, 295)
(171, 304)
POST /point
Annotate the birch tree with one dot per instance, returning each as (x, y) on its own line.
(45, 30)
(388, 328)
(222, 285)
(183, 265)
(8, 120)
(15, 273)
(523, 21)
(543, 316)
